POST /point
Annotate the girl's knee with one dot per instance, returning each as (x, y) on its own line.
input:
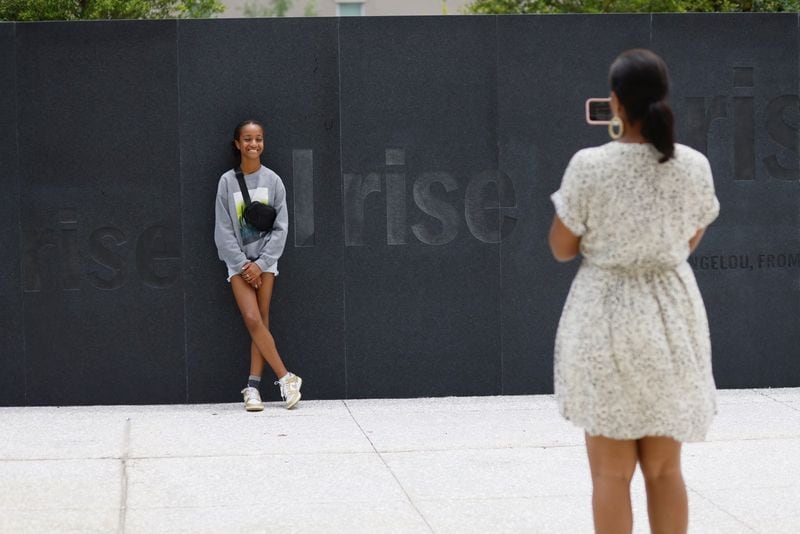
(252, 320)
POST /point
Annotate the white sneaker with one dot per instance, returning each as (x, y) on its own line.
(290, 389)
(252, 400)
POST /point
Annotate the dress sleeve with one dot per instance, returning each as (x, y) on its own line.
(706, 204)
(571, 199)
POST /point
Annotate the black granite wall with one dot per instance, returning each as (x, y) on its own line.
(418, 156)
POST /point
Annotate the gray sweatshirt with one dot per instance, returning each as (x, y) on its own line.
(238, 242)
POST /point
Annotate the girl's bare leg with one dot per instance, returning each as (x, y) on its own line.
(612, 463)
(254, 306)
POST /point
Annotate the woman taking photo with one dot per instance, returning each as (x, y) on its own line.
(251, 256)
(632, 353)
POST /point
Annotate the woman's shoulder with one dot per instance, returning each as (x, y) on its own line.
(606, 151)
(592, 152)
(687, 155)
(588, 156)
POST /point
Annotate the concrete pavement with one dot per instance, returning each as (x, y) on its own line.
(443, 465)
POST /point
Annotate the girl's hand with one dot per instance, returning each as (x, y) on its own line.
(251, 273)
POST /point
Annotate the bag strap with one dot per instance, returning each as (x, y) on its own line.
(243, 186)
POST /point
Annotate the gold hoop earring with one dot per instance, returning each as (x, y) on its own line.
(616, 127)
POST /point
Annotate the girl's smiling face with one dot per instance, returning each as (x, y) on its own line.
(251, 142)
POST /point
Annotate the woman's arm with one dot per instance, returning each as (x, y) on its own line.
(695, 240)
(563, 244)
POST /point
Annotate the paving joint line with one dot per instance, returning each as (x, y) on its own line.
(779, 401)
(123, 508)
(385, 463)
(721, 509)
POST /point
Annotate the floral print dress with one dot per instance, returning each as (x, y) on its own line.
(632, 352)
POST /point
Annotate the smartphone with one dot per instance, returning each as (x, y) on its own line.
(598, 110)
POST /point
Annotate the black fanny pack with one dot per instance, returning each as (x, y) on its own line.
(258, 215)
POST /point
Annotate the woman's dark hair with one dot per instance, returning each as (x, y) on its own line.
(639, 79)
(238, 131)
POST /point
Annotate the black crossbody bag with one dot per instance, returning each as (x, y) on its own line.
(258, 215)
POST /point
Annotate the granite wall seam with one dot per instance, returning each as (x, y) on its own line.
(343, 259)
(179, 132)
(18, 112)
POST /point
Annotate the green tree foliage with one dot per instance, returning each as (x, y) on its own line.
(629, 6)
(273, 8)
(28, 10)
(276, 8)
(200, 9)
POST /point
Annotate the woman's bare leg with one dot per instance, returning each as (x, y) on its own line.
(254, 307)
(612, 463)
(667, 503)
